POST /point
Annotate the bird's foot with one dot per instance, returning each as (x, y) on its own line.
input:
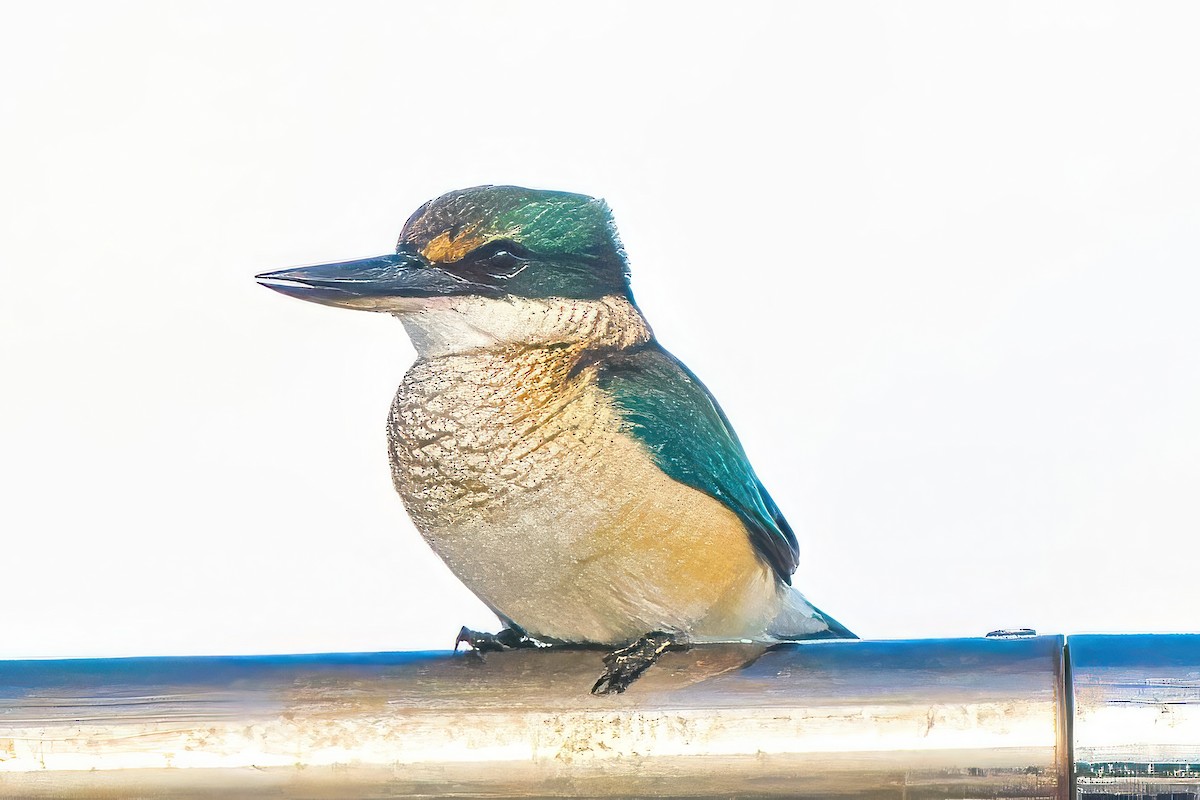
(622, 667)
(508, 639)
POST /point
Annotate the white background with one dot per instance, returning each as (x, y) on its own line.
(937, 261)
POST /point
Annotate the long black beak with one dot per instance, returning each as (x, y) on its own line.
(369, 283)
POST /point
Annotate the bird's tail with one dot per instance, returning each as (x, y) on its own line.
(800, 619)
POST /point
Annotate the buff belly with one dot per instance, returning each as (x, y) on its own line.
(526, 486)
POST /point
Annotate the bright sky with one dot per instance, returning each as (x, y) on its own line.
(938, 261)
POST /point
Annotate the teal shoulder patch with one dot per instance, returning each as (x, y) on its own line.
(671, 412)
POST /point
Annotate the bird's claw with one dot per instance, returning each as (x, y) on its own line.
(622, 667)
(481, 642)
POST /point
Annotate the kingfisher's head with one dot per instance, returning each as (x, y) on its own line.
(488, 241)
(492, 262)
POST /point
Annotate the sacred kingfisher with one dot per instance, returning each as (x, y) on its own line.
(570, 471)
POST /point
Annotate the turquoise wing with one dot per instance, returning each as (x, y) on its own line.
(671, 412)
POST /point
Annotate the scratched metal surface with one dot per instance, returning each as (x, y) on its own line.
(1136, 716)
(903, 719)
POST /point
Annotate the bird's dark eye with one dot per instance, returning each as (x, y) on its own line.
(501, 249)
(501, 259)
(503, 264)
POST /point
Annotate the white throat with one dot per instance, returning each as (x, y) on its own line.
(447, 325)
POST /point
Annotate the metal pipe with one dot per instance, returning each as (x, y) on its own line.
(908, 719)
(1136, 720)
(994, 718)
(905, 719)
